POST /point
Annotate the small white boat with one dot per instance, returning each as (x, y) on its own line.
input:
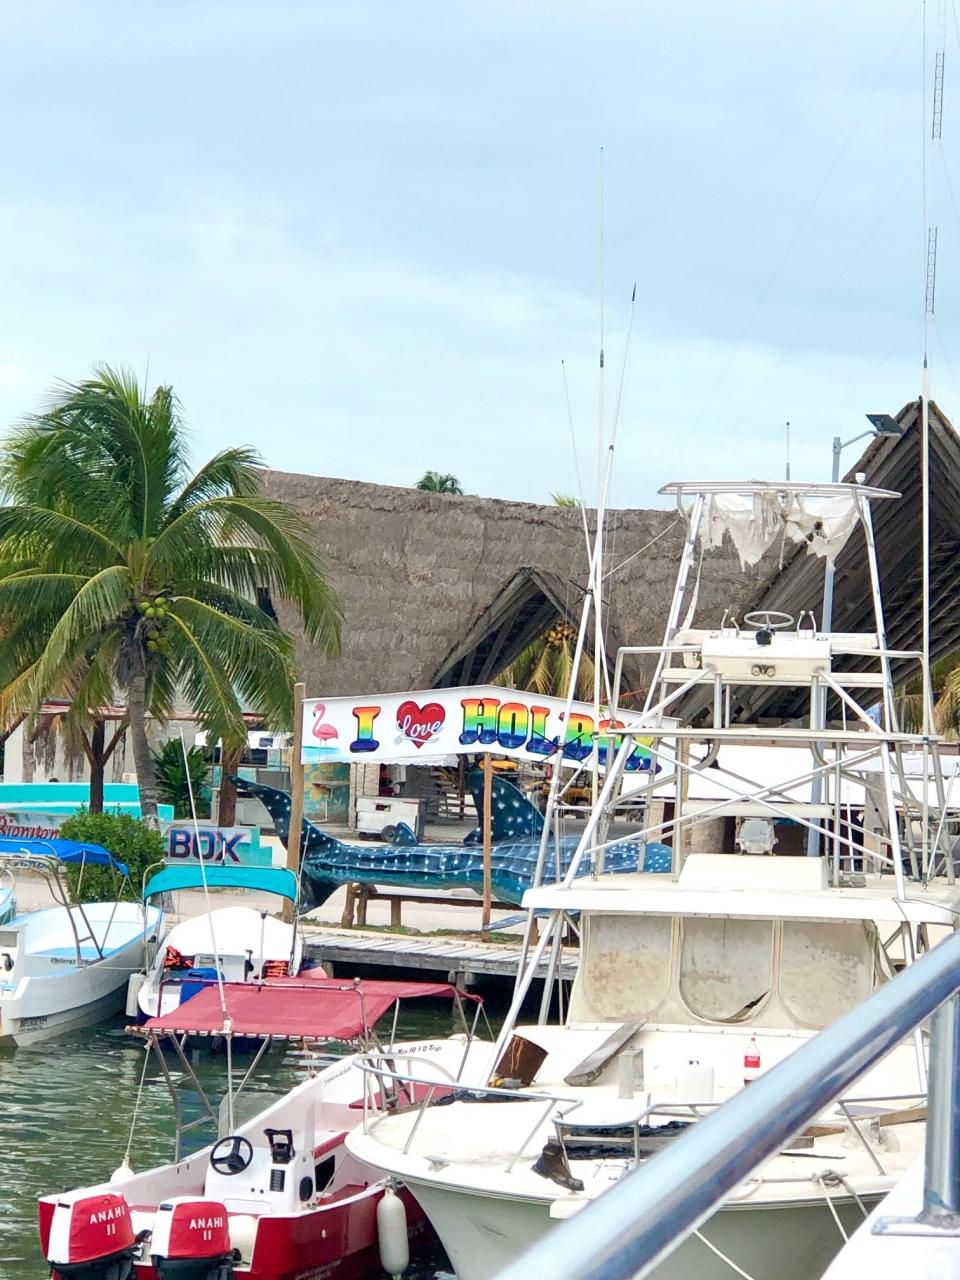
(232, 943)
(64, 966)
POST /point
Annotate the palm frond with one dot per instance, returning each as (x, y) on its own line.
(96, 606)
(60, 538)
(230, 473)
(206, 684)
(277, 527)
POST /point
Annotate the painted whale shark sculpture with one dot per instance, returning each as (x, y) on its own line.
(516, 826)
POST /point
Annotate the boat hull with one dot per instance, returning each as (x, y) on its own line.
(56, 995)
(28, 1030)
(784, 1241)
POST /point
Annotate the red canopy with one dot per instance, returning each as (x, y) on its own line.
(294, 1008)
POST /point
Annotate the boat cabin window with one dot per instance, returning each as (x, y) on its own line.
(726, 967)
(826, 968)
(626, 965)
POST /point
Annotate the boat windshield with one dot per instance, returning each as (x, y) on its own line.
(722, 970)
(726, 967)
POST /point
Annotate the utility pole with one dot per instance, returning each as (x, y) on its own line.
(295, 837)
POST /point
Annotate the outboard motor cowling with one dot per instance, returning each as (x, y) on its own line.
(91, 1238)
(191, 1240)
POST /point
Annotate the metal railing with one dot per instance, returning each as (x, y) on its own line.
(632, 1227)
(387, 1090)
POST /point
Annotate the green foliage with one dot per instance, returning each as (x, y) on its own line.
(565, 500)
(435, 482)
(546, 665)
(173, 786)
(945, 682)
(121, 569)
(130, 840)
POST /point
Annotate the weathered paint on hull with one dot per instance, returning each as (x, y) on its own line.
(481, 1234)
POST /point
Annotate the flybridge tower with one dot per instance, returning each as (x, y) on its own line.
(714, 759)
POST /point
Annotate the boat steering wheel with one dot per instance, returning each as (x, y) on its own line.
(231, 1155)
(768, 620)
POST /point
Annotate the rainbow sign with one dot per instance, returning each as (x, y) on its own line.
(421, 726)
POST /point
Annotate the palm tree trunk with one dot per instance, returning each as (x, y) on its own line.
(227, 812)
(142, 755)
(98, 742)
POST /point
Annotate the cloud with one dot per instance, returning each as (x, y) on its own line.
(362, 238)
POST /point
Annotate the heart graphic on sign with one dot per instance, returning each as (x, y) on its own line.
(420, 724)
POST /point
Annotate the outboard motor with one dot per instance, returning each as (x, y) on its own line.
(91, 1238)
(191, 1240)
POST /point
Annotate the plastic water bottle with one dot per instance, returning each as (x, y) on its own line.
(751, 1061)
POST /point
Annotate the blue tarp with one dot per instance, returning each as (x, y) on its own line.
(263, 879)
(66, 850)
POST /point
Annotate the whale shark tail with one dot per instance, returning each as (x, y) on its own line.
(513, 815)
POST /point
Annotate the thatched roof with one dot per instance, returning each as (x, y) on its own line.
(442, 590)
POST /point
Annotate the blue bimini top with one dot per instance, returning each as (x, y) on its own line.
(276, 880)
(65, 850)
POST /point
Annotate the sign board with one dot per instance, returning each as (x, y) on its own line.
(417, 727)
(217, 846)
(31, 824)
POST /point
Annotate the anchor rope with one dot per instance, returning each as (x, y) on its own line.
(136, 1103)
(834, 1179)
(722, 1256)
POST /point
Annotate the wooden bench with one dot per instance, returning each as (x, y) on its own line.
(359, 895)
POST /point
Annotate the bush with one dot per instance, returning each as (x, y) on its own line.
(173, 784)
(130, 840)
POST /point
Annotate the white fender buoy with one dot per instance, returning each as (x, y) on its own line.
(122, 1174)
(134, 983)
(392, 1233)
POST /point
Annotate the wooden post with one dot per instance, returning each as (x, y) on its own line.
(487, 833)
(296, 793)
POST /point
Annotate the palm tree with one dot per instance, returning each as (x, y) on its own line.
(546, 664)
(945, 681)
(434, 482)
(121, 571)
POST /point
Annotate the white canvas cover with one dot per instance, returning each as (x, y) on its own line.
(756, 522)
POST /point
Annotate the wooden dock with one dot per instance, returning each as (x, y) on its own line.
(457, 961)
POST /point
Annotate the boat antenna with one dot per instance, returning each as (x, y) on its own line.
(227, 1026)
(787, 432)
(597, 577)
(576, 460)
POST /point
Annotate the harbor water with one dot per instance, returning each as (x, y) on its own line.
(67, 1107)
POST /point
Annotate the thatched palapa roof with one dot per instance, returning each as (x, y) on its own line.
(438, 590)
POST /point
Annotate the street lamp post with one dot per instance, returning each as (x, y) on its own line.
(881, 424)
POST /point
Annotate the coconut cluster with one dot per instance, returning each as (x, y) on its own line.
(154, 611)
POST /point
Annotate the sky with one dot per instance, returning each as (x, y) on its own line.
(364, 237)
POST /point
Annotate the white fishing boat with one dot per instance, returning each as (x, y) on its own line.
(275, 1195)
(690, 986)
(66, 966)
(230, 943)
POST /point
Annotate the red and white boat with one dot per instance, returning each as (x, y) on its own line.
(277, 1197)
